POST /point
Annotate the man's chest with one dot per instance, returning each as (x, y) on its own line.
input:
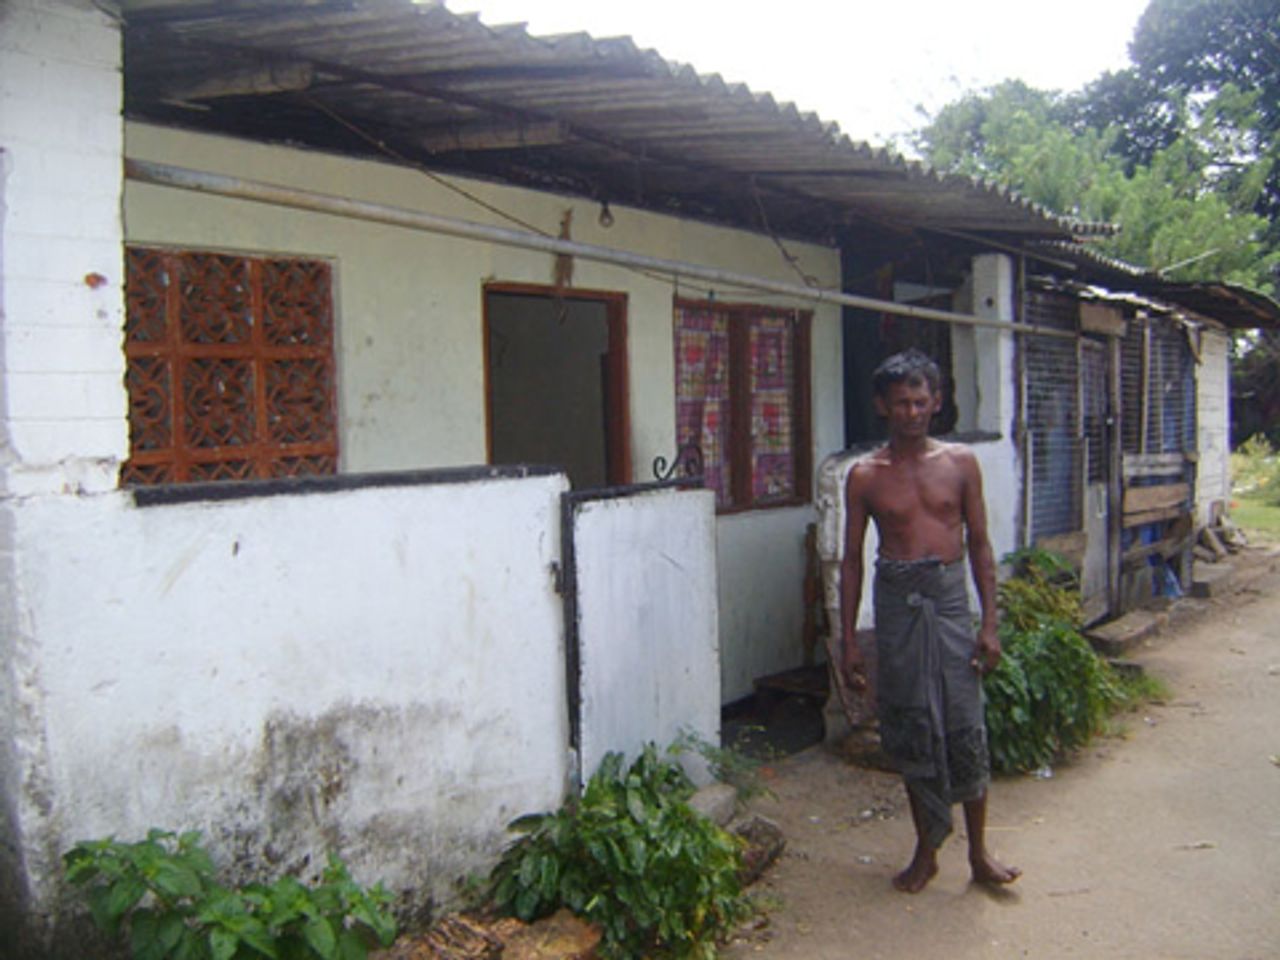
(901, 495)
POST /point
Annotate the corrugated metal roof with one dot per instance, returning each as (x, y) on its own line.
(600, 118)
(1231, 304)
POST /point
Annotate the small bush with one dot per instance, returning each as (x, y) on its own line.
(1051, 692)
(631, 856)
(162, 891)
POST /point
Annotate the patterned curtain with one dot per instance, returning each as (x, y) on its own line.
(772, 388)
(702, 391)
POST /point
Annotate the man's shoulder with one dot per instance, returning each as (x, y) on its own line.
(870, 461)
(958, 452)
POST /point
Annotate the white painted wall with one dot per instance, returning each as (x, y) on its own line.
(647, 625)
(1213, 422)
(377, 671)
(762, 568)
(410, 336)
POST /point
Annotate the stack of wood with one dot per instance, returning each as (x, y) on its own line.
(1218, 540)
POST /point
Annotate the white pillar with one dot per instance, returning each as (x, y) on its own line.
(994, 380)
(63, 404)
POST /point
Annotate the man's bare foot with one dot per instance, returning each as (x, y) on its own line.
(919, 872)
(987, 869)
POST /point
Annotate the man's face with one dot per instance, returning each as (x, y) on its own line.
(908, 407)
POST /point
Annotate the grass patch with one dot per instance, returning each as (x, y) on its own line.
(1256, 514)
(1140, 688)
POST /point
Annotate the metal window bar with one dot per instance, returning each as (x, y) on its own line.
(1132, 364)
(1093, 403)
(1053, 419)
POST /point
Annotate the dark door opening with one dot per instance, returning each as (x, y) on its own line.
(556, 374)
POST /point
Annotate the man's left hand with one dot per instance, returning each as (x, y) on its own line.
(986, 654)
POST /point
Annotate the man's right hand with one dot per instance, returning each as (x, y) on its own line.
(853, 667)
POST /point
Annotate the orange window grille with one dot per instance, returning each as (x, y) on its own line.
(230, 367)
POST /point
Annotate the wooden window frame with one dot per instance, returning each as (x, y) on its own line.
(166, 345)
(738, 454)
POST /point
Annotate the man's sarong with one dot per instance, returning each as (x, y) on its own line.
(929, 695)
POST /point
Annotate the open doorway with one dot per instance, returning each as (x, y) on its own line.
(556, 380)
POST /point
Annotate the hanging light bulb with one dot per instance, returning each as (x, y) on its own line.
(606, 215)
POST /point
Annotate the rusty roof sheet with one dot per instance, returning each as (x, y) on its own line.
(590, 117)
(1231, 304)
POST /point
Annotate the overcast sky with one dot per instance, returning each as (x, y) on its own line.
(871, 67)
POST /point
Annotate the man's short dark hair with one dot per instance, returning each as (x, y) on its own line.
(910, 367)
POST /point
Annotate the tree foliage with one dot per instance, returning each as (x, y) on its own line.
(1181, 149)
(1184, 211)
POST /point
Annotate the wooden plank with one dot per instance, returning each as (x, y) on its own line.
(1138, 499)
(1152, 516)
(1102, 318)
(1152, 464)
(494, 136)
(1168, 547)
(1069, 545)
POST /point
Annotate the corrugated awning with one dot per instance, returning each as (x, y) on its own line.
(572, 114)
(1230, 304)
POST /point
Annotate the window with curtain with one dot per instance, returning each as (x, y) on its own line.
(742, 400)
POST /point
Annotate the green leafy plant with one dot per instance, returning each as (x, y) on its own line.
(163, 892)
(631, 856)
(1044, 588)
(1051, 692)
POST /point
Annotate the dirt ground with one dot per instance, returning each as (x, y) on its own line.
(1161, 841)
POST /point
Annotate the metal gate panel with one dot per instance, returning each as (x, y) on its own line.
(1171, 416)
(644, 655)
(1053, 418)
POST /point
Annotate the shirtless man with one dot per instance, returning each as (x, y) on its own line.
(926, 499)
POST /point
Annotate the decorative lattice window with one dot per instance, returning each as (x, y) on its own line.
(230, 367)
(741, 398)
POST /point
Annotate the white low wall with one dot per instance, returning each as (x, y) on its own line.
(376, 671)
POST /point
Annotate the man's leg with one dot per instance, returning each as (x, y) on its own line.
(986, 868)
(924, 864)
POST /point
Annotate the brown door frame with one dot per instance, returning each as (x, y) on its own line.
(617, 403)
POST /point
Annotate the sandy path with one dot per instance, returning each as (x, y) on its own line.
(1162, 842)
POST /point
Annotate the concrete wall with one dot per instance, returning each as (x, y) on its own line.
(1213, 423)
(410, 353)
(376, 671)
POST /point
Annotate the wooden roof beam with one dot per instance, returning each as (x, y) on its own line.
(494, 136)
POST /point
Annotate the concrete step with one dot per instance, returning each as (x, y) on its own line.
(1210, 579)
(1116, 637)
